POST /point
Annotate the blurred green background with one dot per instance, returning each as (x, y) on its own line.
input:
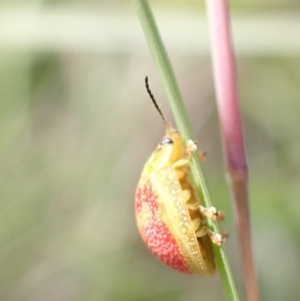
(77, 126)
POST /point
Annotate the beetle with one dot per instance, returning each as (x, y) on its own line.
(169, 216)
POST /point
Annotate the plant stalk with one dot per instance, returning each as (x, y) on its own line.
(232, 135)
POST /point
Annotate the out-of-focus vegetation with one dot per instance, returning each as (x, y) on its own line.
(77, 126)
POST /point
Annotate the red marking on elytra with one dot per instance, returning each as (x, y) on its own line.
(162, 244)
(156, 234)
(145, 196)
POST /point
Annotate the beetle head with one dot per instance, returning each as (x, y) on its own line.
(169, 150)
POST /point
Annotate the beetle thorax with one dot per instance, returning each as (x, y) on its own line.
(169, 150)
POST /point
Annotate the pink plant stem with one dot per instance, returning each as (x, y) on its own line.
(232, 134)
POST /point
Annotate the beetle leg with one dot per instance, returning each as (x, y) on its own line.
(191, 146)
(186, 193)
(196, 222)
(216, 238)
(202, 156)
(185, 160)
(192, 206)
(212, 213)
(181, 162)
(180, 174)
(201, 232)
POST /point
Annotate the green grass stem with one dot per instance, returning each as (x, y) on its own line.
(168, 78)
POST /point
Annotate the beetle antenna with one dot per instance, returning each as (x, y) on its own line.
(154, 101)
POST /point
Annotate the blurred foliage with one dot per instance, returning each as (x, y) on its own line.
(76, 129)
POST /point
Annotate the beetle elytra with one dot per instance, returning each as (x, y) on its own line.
(170, 219)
